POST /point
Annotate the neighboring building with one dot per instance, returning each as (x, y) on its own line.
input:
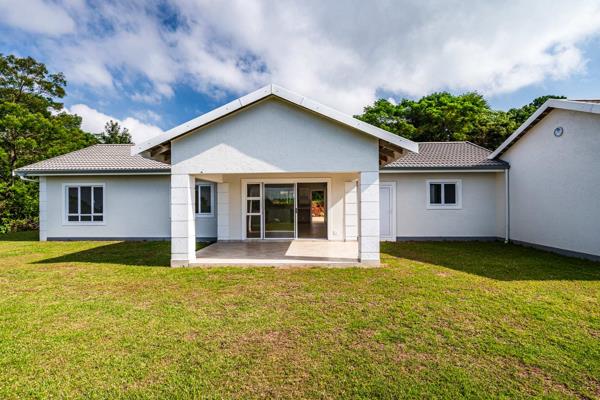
(276, 165)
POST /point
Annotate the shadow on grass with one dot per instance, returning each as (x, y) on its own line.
(496, 260)
(26, 236)
(151, 254)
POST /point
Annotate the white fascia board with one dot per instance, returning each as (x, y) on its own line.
(551, 103)
(436, 171)
(284, 94)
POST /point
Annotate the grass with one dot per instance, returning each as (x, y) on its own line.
(440, 320)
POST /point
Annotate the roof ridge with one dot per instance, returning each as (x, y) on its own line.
(448, 141)
(476, 145)
(110, 144)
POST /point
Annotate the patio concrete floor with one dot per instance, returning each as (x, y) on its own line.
(294, 252)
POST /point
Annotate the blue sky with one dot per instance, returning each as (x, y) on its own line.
(155, 64)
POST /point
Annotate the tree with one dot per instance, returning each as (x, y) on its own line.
(32, 128)
(447, 117)
(436, 117)
(26, 81)
(520, 115)
(114, 134)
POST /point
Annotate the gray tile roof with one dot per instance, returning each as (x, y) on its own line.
(447, 155)
(96, 158)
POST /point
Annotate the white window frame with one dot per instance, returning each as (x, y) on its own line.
(443, 206)
(65, 213)
(210, 214)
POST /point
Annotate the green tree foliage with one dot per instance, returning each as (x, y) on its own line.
(447, 117)
(32, 128)
(114, 134)
(520, 115)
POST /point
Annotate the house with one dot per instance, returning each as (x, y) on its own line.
(274, 165)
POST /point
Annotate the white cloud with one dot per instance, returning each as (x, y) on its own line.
(340, 54)
(36, 16)
(93, 121)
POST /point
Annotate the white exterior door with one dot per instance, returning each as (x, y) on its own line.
(387, 211)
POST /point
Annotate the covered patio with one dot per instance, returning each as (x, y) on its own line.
(279, 253)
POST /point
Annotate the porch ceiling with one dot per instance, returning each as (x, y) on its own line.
(295, 252)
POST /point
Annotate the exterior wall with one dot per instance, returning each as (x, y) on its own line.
(134, 207)
(274, 136)
(554, 183)
(336, 202)
(478, 216)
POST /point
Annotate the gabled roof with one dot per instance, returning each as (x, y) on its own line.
(99, 158)
(587, 106)
(282, 93)
(446, 155)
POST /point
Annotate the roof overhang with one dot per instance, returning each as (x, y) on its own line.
(391, 146)
(25, 173)
(482, 168)
(545, 109)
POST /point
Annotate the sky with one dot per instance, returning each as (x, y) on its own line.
(152, 65)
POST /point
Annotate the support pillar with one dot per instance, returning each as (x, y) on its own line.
(350, 211)
(369, 217)
(43, 209)
(183, 229)
(223, 211)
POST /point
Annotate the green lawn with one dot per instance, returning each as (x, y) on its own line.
(445, 320)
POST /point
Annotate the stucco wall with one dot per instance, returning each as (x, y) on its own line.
(274, 136)
(477, 217)
(555, 183)
(136, 207)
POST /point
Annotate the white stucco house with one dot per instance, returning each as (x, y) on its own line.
(275, 166)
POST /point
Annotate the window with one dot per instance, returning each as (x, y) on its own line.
(85, 203)
(204, 199)
(444, 194)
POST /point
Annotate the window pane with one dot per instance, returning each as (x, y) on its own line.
(253, 226)
(98, 200)
(450, 193)
(196, 200)
(86, 217)
(86, 200)
(254, 206)
(205, 201)
(73, 218)
(98, 218)
(435, 193)
(73, 200)
(253, 190)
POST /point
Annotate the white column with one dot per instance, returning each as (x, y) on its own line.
(223, 211)
(43, 201)
(369, 217)
(350, 211)
(183, 229)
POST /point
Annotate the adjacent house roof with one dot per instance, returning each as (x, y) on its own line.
(99, 158)
(588, 106)
(160, 144)
(446, 155)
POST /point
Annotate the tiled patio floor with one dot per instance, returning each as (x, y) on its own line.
(295, 252)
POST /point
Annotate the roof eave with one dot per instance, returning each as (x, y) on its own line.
(121, 171)
(447, 168)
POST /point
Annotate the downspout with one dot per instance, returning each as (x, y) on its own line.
(507, 206)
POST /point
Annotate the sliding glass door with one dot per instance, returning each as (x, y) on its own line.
(285, 210)
(280, 210)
